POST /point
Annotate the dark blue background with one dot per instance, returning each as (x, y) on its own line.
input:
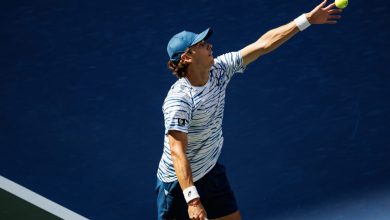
(82, 84)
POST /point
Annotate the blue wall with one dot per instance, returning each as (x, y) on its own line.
(82, 84)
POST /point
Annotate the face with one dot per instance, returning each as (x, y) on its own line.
(202, 54)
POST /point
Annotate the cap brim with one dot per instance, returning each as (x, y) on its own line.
(202, 36)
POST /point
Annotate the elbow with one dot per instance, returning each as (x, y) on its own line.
(176, 153)
(266, 48)
(263, 46)
(270, 41)
(265, 43)
(178, 145)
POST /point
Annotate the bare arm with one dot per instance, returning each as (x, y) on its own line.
(178, 143)
(268, 42)
(276, 37)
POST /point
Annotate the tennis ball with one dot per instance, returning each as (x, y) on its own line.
(341, 3)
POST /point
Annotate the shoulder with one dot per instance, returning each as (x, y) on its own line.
(227, 59)
(179, 93)
(180, 89)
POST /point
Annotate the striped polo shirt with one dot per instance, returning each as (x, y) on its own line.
(198, 111)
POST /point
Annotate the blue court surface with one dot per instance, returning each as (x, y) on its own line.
(306, 127)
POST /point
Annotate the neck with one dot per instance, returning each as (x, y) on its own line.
(197, 77)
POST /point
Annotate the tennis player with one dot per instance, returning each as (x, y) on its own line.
(191, 183)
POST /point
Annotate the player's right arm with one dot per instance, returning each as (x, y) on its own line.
(178, 143)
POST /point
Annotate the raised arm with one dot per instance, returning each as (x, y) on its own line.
(276, 37)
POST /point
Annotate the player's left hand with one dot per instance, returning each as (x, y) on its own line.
(324, 15)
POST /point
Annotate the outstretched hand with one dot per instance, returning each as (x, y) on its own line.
(324, 15)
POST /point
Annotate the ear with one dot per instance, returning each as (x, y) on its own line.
(186, 58)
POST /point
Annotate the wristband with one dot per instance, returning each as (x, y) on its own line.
(190, 193)
(302, 22)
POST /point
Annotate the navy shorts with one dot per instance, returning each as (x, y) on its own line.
(214, 191)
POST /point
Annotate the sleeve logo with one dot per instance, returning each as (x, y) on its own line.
(181, 122)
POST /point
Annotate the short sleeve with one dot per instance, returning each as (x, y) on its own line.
(177, 112)
(229, 64)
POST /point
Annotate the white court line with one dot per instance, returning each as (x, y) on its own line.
(38, 200)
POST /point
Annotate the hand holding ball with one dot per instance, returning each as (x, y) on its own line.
(341, 3)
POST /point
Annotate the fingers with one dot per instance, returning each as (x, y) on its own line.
(331, 22)
(202, 216)
(335, 11)
(330, 6)
(322, 4)
(197, 213)
(334, 17)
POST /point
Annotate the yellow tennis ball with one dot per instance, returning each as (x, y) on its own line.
(341, 3)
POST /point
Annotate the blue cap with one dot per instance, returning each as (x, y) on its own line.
(179, 43)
